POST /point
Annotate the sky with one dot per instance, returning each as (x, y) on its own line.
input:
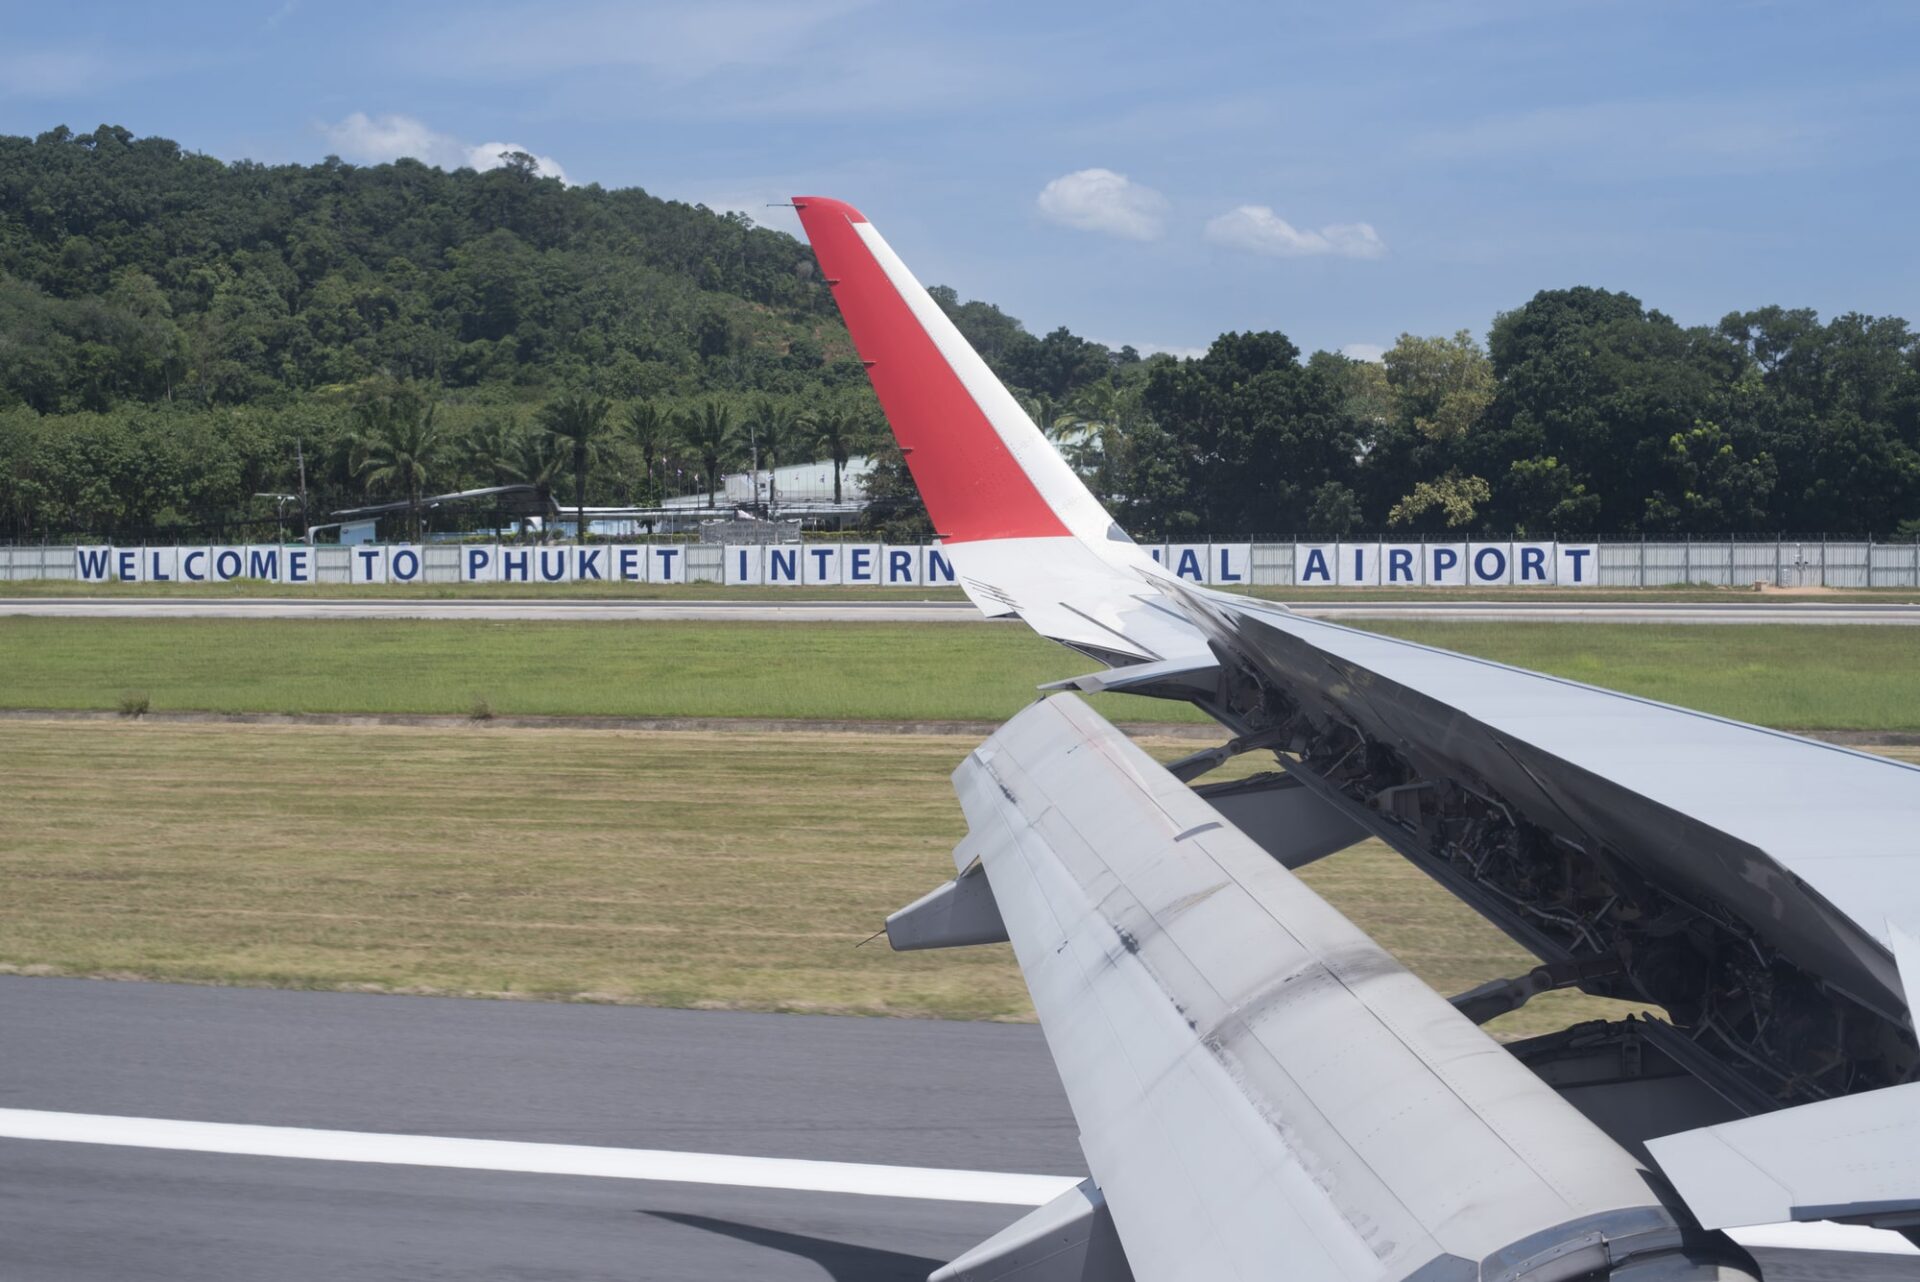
(1152, 174)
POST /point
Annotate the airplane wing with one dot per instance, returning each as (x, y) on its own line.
(1024, 534)
(1735, 880)
(1261, 1089)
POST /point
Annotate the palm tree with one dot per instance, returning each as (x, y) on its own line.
(398, 446)
(710, 434)
(840, 433)
(651, 430)
(535, 462)
(577, 418)
(776, 429)
(1105, 417)
(1048, 414)
(491, 447)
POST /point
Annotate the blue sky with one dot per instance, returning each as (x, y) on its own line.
(1144, 173)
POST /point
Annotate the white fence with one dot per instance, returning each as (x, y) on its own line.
(1781, 563)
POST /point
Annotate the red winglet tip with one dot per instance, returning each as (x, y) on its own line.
(840, 207)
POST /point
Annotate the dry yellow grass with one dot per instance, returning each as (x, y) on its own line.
(690, 869)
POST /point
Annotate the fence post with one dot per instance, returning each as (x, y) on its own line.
(1640, 571)
(1869, 561)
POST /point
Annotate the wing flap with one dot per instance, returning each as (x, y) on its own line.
(1855, 1159)
(1255, 1080)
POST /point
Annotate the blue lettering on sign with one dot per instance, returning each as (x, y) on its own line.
(1226, 573)
(553, 564)
(666, 556)
(1533, 564)
(476, 562)
(939, 569)
(783, 565)
(589, 564)
(860, 565)
(412, 559)
(513, 565)
(1499, 564)
(1316, 567)
(93, 563)
(820, 558)
(263, 564)
(1577, 557)
(1189, 567)
(1399, 565)
(367, 557)
(186, 565)
(129, 566)
(744, 572)
(899, 566)
(1444, 559)
(1360, 565)
(1158, 556)
(298, 569)
(627, 562)
(220, 563)
(153, 567)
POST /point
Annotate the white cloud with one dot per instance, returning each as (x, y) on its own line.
(1256, 229)
(492, 155)
(1363, 351)
(1103, 201)
(372, 140)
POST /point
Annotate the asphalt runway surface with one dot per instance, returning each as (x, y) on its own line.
(896, 1092)
(894, 611)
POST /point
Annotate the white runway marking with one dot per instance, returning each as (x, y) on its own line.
(923, 1183)
(795, 1174)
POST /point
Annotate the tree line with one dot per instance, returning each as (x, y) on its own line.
(178, 334)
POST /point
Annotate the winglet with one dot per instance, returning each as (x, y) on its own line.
(985, 470)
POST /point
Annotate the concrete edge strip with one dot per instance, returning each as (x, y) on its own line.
(526, 1157)
(791, 1174)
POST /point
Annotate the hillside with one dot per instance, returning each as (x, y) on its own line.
(177, 331)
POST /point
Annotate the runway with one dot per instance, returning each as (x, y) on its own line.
(894, 611)
(903, 1093)
(976, 1096)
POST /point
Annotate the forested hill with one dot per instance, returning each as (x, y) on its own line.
(136, 271)
(172, 325)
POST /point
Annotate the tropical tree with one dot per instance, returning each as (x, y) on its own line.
(709, 432)
(491, 449)
(577, 419)
(838, 433)
(1102, 417)
(398, 445)
(651, 431)
(1048, 414)
(536, 462)
(1453, 498)
(776, 433)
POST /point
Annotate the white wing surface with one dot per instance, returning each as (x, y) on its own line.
(1261, 1090)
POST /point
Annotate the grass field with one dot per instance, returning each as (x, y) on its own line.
(684, 869)
(1826, 677)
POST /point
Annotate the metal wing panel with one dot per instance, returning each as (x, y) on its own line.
(1097, 597)
(1257, 1083)
(1846, 822)
(1852, 1158)
(1812, 844)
